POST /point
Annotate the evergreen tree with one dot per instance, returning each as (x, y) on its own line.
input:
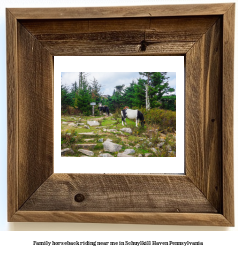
(95, 91)
(83, 100)
(66, 98)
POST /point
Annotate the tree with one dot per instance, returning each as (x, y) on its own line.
(139, 98)
(148, 77)
(83, 100)
(95, 90)
(156, 85)
(66, 98)
(82, 80)
(129, 93)
(117, 100)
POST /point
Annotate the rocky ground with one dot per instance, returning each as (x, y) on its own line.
(104, 136)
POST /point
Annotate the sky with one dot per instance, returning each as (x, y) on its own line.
(109, 80)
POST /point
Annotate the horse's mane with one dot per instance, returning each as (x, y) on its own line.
(126, 107)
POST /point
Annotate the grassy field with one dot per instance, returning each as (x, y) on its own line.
(147, 141)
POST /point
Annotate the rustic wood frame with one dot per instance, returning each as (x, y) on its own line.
(204, 34)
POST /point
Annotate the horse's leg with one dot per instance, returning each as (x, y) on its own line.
(136, 122)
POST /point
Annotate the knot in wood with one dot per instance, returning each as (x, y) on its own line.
(79, 198)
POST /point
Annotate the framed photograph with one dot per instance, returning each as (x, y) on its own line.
(202, 195)
(107, 80)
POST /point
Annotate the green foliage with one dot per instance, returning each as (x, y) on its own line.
(66, 99)
(165, 118)
(169, 102)
(83, 99)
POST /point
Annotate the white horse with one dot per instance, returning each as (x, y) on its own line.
(132, 114)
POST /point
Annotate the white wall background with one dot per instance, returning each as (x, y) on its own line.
(223, 238)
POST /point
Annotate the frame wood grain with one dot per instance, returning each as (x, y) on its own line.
(204, 34)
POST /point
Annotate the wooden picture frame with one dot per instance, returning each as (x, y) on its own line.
(204, 34)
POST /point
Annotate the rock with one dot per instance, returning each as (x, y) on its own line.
(79, 119)
(128, 130)
(140, 155)
(111, 130)
(148, 154)
(160, 144)
(86, 152)
(108, 139)
(149, 144)
(67, 151)
(168, 147)
(129, 151)
(105, 155)
(100, 140)
(86, 126)
(73, 118)
(93, 123)
(80, 123)
(89, 139)
(124, 155)
(73, 125)
(68, 134)
(137, 145)
(111, 147)
(64, 123)
(87, 133)
(154, 150)
(85, 145)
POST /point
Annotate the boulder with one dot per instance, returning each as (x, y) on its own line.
(148, 154)
(73, 125)
(85, 145)
(86, 152)
(129, 151)
(111, 130)
(87, 133)
(105, 155)
(124, 155)
(128, 130)
(93, 123)
(86, 126)
(67, 151)
(88, 139)
(111, 147)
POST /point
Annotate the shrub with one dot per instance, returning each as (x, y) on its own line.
(166, 119)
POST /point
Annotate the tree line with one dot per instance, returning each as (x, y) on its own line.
(151, 90)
